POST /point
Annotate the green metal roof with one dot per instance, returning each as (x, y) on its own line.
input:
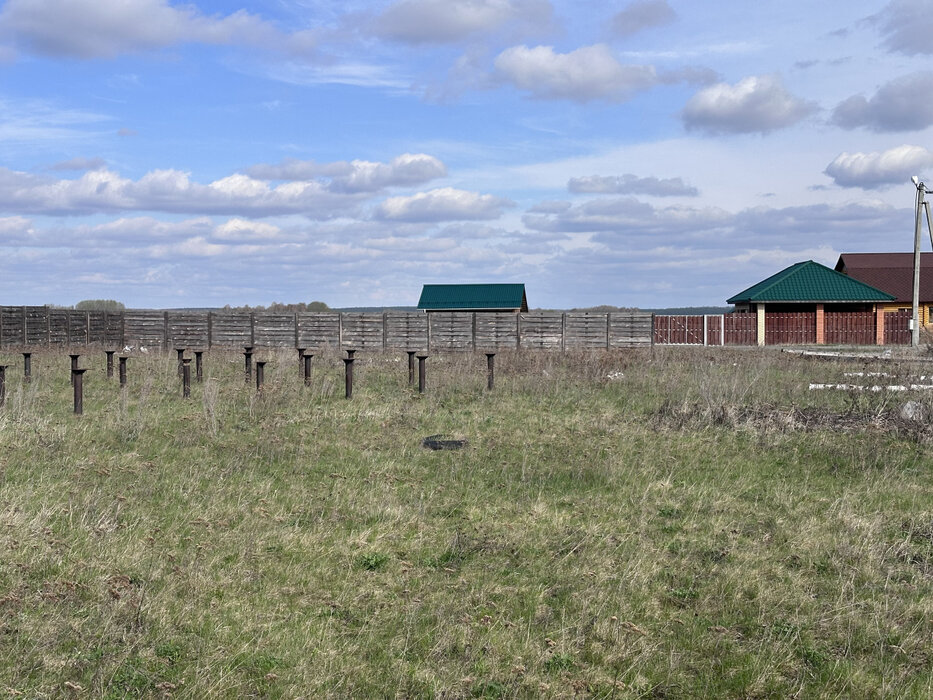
(810, 282)
(435, 297)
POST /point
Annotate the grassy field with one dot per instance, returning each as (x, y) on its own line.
(670, 523)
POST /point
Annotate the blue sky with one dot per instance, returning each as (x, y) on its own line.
(641, 153)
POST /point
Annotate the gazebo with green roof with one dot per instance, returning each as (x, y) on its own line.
(810, 288)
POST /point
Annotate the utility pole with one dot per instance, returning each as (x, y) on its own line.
(921, 205)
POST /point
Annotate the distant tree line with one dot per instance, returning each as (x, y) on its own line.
(92, 305)
(279, 307)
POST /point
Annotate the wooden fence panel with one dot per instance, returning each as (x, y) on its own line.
(541, 331)
(188, 329)
(231, 329)
(740, 328)
(273, 330)
(714, 330)
(678, 330)
(37, 325)
(144, 328)
(584, 329)
(58, 327)
(849, 327)
(362, 331)
(11, 326)
(77, 327)
(451, 330)
(790, 328)
(40, 326)
(406, 331)
(496, 329)
(630, 329)
(897, 327)
(317, 330)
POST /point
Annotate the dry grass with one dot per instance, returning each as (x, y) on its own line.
(618, 527)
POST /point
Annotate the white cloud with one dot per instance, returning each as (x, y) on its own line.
(107, 28)
(357, 175)
(628, 216)
(588, 73)
(903, 104)
(443, 21)
(873, 170)
(167, 191)
(631, 184)
(240, 230)
(444, 204)
(754, 104)
(640, 15)
(906, 26)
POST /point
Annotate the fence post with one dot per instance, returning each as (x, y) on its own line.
(27, 367)
(421, 373)
(109, 354)
(490, 370)
(74, 366)
(307, 369)
(123, 359)
(260, 374)
(348, 371)
(186, 378)
(2, 385)
(199, 366)
(77, 379)
(248, 357)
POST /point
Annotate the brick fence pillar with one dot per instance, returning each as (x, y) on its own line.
(820, 325)
(761, 323)
(879, 324)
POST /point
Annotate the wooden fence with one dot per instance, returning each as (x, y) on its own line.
(37, 326)
(897, 327)
(725, 329)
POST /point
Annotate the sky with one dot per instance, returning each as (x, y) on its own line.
(641, 153)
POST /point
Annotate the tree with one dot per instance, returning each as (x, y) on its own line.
(100, 305)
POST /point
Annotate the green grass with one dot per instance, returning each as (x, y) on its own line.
(668, 523)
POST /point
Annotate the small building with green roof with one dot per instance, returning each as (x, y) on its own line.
(811, 303)
(473, 297)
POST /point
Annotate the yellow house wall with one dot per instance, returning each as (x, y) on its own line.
(926, 316)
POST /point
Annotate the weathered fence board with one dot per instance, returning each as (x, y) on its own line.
(540, 331)
(628, 329)
(11, 325)
(362, 331)
(274, 330)
(144, 328)
(36, 320)
(494, 330)
(406, 331)
(231, 329)
(585, 330)
(451, 330)
(188, 329)
(443, 331)
(319, 330)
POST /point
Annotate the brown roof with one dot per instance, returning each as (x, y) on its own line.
(890, 272)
